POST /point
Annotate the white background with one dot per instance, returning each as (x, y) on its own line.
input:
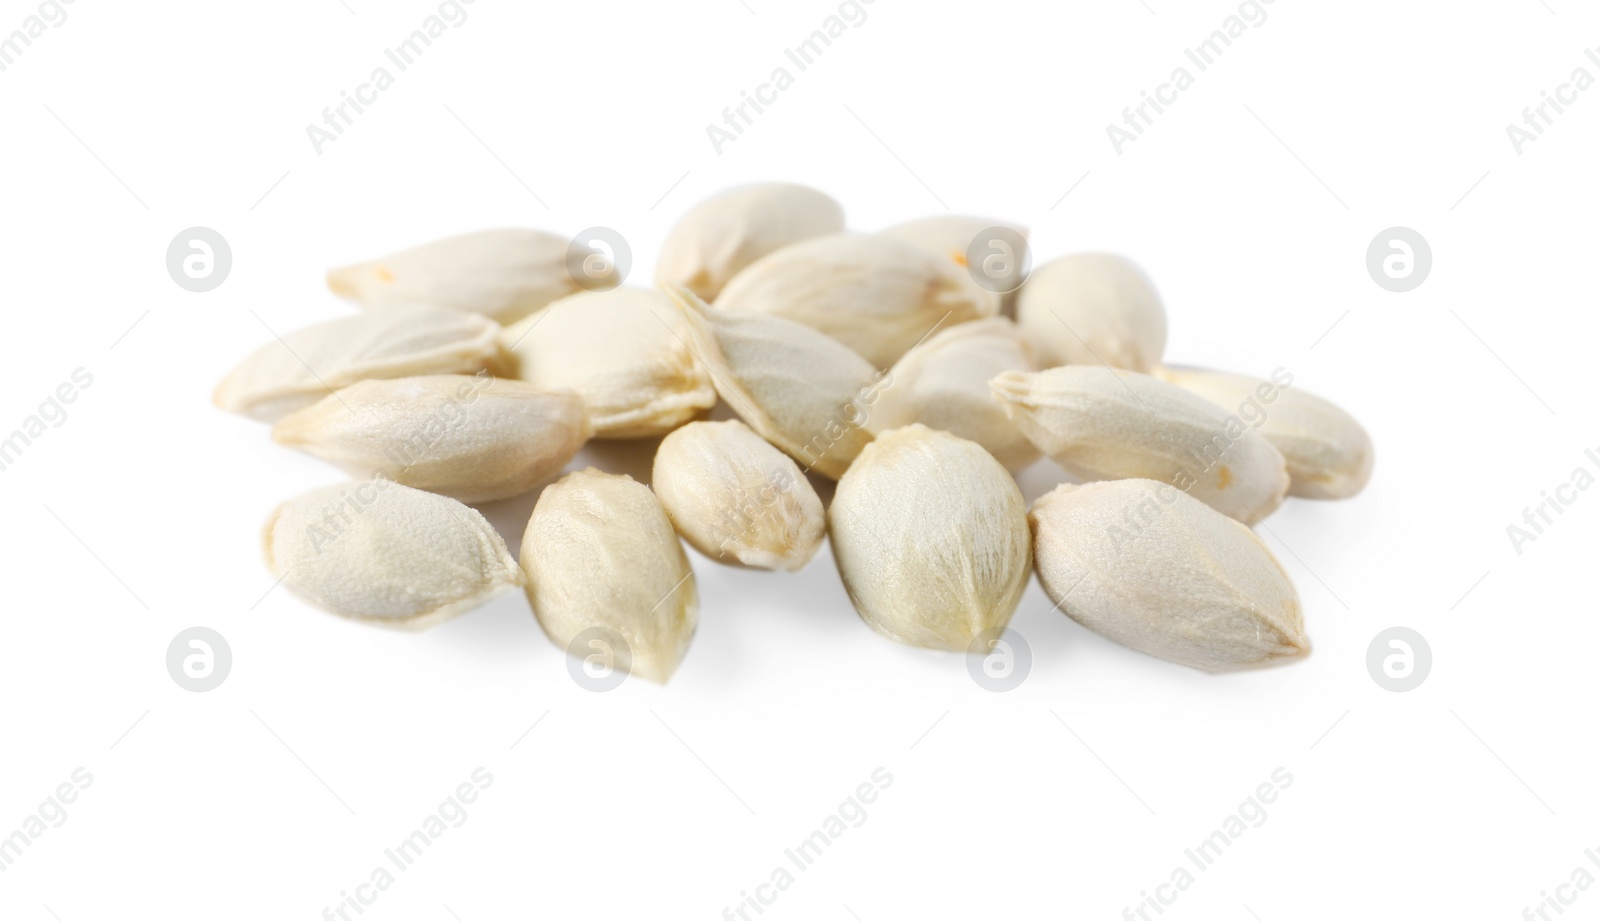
(1251, 202)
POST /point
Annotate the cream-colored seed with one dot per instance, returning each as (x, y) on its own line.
(878, 295)
(1103, 424)
(804, 392)
(718, 238)
(948, 235)
(931, 537)
(388, 554)
(944, 384)
(1146, 566)
(470, 438)
(479, 367)
(310, 363)
(951, 236)
(600, 552)
(736, 498)
(502, 274)
(1329, 454)
(1094, 308)
(625, 351)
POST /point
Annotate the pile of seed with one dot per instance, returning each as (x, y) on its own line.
(481, 364)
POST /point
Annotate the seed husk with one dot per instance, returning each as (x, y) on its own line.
(474, 439)
(806, 393)
(1091, 309)
(503, 274)
(1329, 454)
(600, 552)
(878, 295)
(1106, 424)
(717, 238)
(736, 498)
(625, 351)
(1145, 565)
(308, 364)
(387, 554)
(944, 384)
(930, 534)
